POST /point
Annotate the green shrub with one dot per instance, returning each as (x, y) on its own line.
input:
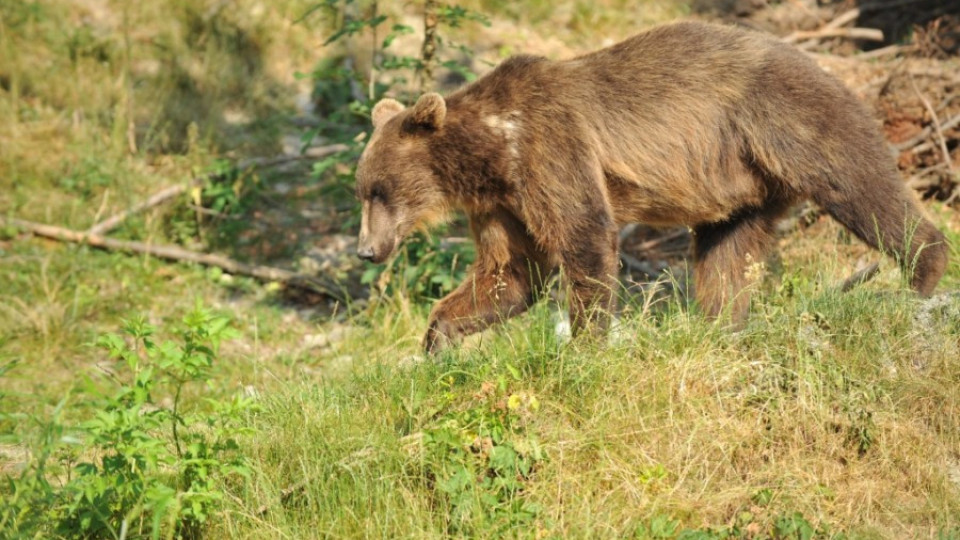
(139, 466)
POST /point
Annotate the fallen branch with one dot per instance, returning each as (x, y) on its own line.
(636, 265)
(172, 192)
(925, 178)
(176, 253)
(115, 220)
(841, 20)
(883, 51)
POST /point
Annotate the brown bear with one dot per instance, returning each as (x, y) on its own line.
(694, 124)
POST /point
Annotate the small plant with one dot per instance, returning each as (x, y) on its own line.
(85, 178)
(793, 526)
(478, 456)
(225, 193)
(139, 467)
(659, 527)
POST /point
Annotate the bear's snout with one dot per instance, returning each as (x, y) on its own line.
(370, 250)
(365, 253)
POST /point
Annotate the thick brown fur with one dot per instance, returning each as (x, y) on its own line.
(688, 124)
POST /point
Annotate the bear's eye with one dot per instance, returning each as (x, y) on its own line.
(378, 194)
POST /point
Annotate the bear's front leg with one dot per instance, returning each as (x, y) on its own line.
(508, 272)
(483, 299)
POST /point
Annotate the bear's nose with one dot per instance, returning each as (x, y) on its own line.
(365, 253)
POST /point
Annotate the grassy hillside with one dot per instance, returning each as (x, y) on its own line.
(227, 407)
(839, 408)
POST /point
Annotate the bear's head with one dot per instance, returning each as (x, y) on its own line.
(396, 183)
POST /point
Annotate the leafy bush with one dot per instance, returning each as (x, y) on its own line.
(138, 467)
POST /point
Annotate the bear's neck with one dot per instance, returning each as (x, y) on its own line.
(471, 160)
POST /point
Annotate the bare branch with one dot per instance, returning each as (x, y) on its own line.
(936, 125)
(176, 253)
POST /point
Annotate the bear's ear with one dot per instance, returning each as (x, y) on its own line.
(384, 110)
(429, 111)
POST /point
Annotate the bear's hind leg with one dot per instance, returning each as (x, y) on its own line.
(590, 270)
(886, 217)
(723, 253)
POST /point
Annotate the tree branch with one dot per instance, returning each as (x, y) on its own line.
(175, 253)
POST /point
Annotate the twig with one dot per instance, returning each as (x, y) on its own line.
(175, 253)
(448, 243)
(860, 277)
(841, 20)
(870, 34)
(936, 125)
(953, 122)
(953, 196)
(883, 51)
(103, 205)
(656, 242)
(213, 213)
(917, 180)
(633, 263)
(935, 73)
